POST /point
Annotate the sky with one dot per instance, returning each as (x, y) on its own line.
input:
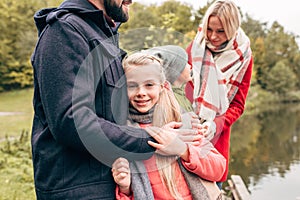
(286, 12)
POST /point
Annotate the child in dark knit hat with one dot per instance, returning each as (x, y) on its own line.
(177, 71)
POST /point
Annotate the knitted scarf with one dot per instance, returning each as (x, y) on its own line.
(217, 73)
(200, 189)
(141, 118)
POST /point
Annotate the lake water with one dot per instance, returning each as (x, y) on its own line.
(265, 152)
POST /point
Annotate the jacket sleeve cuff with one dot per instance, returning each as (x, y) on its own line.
(122, 196)
(188, 164)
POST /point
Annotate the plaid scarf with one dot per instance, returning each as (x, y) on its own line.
(217, 72)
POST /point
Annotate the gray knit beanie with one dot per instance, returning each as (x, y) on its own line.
(174, 60)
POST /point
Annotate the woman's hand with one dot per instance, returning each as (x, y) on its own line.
(209, 129)
(121, 173)
(188, 119)
(186, 135)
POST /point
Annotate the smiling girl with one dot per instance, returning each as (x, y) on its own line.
(152, 104)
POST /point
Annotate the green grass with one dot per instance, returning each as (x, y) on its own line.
(19, 101)
(16, 171)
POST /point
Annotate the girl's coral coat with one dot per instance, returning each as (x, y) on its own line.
(209, 167)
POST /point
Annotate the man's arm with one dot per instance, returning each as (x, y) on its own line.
(70, 107)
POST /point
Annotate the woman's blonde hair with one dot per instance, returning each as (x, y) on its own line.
(166, 110)
(228, 14)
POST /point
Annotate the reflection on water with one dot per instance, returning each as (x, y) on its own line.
(274, 186)
(265, 151)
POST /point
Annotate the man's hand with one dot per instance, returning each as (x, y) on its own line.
(168, 142)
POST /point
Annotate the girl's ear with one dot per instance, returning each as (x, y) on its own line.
(167, 85)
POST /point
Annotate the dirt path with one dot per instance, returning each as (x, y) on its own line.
(10, 113)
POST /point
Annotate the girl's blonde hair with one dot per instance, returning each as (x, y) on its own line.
(229, 15)
(166, 110)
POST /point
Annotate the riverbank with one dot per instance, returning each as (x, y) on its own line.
(259, 100)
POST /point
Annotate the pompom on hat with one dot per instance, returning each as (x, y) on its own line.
(174, 59)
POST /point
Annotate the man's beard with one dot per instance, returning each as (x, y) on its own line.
(115, 12)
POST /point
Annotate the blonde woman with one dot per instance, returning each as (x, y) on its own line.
(222, 62)
(174, 175)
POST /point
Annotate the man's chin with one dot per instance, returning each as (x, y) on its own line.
(125, 14)
(121, 18)
(120, 15)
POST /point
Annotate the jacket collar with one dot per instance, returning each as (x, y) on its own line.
(80, 7)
